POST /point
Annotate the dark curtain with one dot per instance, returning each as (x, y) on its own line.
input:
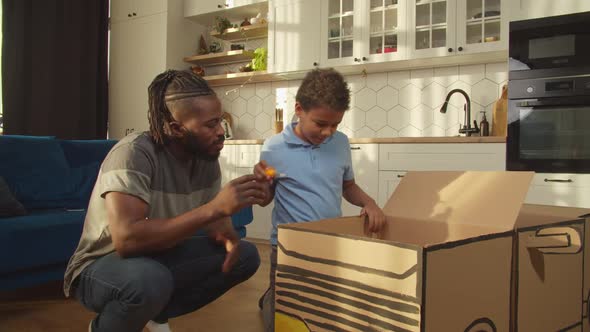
(54, 68)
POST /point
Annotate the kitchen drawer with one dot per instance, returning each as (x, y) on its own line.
(442, 157)
(560, 189)
(247, 155)
(561, 180)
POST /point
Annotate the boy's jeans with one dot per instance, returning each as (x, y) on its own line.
(127, 293)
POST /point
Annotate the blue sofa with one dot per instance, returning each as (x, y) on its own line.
(53, 180)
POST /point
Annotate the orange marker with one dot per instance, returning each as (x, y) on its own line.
(272, 172)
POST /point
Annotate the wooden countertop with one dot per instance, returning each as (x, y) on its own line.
(404, 140)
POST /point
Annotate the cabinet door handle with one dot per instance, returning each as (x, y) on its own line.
(460, 49)
(315, 64)
(365, 58)
(128, 15)
(357, 60)
(559, 180)
(400, 176)
(355, 147)
(450, 49)
(134, 14)
(219, 6)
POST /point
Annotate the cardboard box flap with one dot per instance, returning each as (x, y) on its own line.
(537, 215)
(419, 233)
(461, 197)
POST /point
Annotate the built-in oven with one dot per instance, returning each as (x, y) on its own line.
(549, 46)
(549, 125)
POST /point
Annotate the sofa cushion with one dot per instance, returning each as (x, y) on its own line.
(42, 238)
(83, 152)
(9, 206)
(69, 190)
(22, 155)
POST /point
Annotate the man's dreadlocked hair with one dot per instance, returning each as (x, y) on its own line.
(167, 87)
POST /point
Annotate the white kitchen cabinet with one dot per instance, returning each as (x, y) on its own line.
(366, 175)
(227, 163)
(261, 225)
(452, 27)
(248, 155)
(140, 49)
(135, 61)
(388, 181)
(442, 157)
(355, 32)
(293, 39)
(528, 9)
(123, 10)
(199, 7)
(396, 159)
(205, 11)
(560, 189)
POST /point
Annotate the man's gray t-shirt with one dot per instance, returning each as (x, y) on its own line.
(136, 166)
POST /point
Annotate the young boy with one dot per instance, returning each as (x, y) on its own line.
(315, 167)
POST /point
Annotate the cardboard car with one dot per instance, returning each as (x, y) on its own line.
(460, 253)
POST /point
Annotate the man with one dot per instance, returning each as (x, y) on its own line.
(136, 262)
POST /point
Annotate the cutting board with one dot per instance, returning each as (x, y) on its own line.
(500, 114)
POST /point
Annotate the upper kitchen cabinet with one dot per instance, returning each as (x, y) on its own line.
(354, 32)
(529, 9)
(293, 39)
(122, 10)
(141, 48)
(452, 27)
(340, 32)
(384, 36)
(205, 11)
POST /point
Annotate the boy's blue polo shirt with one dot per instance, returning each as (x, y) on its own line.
(312, 186)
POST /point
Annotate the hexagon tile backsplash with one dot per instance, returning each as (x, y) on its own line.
(393, 104)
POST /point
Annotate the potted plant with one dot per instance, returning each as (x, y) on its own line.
(221, 24)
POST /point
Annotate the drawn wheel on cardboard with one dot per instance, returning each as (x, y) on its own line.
(481, 325)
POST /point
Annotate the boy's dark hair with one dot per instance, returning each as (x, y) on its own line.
(324, 88)
(167, 88)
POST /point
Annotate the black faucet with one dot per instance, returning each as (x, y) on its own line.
(466, 129)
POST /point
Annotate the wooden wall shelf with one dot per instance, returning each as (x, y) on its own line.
(240, 78)
(242, 33)
(222, 58)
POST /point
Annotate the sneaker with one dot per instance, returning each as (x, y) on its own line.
(157, 327)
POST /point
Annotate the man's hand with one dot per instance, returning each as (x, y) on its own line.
(239, 193)
(375, 218)
(222, 232)
(262, 176)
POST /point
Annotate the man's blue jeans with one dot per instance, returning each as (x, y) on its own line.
(128, 292)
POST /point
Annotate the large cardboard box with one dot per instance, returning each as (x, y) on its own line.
(443, 263)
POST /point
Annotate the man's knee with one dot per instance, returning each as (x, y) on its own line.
(150, 286)
(249, 259)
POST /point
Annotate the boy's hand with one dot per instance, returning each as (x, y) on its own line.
(375, 218)
(261, 172)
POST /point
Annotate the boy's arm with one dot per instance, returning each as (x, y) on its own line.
(356, 196)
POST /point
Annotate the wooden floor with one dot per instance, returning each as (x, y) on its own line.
(44, 309)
